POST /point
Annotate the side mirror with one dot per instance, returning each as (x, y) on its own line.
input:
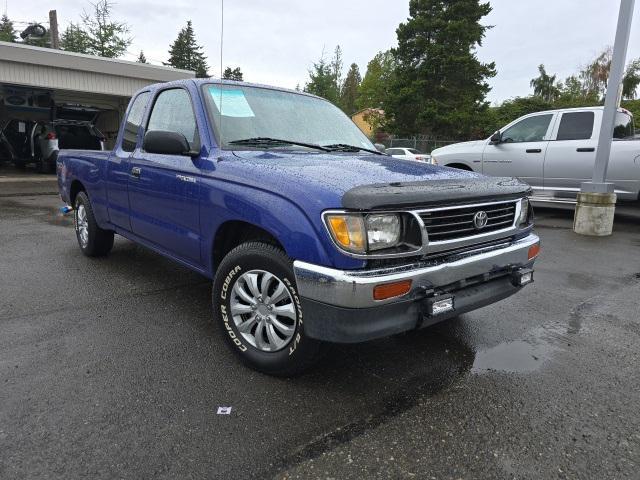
(166, 143)
(496, 138)
(380, 147)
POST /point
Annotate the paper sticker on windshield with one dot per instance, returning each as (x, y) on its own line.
(231, 103)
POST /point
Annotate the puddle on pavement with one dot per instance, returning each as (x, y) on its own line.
(520, 356)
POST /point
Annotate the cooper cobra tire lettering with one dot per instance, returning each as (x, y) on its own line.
(223, 309)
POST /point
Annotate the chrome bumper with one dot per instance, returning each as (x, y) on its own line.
(354, 288)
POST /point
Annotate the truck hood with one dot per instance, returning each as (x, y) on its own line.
(317, 181)
(457, 146)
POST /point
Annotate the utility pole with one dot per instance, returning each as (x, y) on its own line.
(596, 201)
(53, 29)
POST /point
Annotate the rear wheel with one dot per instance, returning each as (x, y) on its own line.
(256, 303)
(93, 240)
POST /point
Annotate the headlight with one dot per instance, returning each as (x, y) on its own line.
(356, 233)
(383, 230)
(524, 211)
(347, 230)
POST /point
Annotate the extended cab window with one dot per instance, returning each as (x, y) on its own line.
(576, 126)
(133, 122)
(531, 129)
(172, 112)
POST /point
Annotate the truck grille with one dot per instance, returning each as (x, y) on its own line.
(456, 223)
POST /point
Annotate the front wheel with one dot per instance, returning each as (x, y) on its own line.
(93, 240)
(256, 303)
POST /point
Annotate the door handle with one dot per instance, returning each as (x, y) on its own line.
(586, 149)
(534, 150)
(136, 171)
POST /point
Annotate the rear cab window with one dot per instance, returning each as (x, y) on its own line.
(623, 127)
(576, 126)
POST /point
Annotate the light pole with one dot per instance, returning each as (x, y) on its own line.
(596, 201)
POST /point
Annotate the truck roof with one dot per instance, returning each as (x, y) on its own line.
(582, 109)
(218, 81)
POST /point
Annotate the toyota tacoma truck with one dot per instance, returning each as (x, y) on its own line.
(309, 234)
(553, 151)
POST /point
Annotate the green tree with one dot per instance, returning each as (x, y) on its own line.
(75, 39)
(107, 38)
(186, 54)
(376, 84)
(440, 86)
(544, 85)
(350, 87)
(7, 32)
(233, 74)
(595, 75)
(631, 80)
(325, 77)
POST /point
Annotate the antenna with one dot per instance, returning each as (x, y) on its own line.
(221, 72)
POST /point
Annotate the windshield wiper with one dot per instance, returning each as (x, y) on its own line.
(274, 142)
(345, 147)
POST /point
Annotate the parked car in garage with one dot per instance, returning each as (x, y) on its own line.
(38, 143)
(309, 234)
(554, 151)
(408, 154)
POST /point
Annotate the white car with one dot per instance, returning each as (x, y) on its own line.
(554, 152)
(408, 154)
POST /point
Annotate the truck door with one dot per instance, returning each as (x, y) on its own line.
(522, 150)
(164, 189)
(571, 154)
(118, 165)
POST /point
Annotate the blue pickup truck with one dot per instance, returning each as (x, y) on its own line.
(309, 234)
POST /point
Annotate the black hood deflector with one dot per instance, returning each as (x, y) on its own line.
(433, 192)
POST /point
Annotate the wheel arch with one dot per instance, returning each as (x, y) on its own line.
(75, 188)
(232, 233)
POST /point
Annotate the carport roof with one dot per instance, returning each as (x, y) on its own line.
(48, 68)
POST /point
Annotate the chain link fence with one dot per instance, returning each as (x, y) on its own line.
(422, 143)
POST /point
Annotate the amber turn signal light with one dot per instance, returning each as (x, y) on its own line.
(534, 251)
(390, 290)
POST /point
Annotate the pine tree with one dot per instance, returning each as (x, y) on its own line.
(325, 77)
(186, 54)
(142, 58)
(106, 37)
(235, 74)
(349, 93)
(440, 86)
(75, 39)
(7, 32)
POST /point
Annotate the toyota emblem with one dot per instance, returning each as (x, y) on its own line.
(480, 219)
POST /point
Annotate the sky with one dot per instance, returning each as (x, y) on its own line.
(276, 41)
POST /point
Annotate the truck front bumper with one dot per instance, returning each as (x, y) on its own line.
(339, 305)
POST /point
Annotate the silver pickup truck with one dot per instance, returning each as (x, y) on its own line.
(554, 152)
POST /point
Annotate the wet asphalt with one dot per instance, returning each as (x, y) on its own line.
(110, 368)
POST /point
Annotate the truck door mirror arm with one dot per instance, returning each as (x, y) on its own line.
(496, 138)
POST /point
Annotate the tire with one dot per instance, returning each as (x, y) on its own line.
(93, 240)
(290, 352)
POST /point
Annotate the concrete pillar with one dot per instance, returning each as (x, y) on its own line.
(594, 214)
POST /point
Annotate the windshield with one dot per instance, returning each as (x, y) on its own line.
(254, 112)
